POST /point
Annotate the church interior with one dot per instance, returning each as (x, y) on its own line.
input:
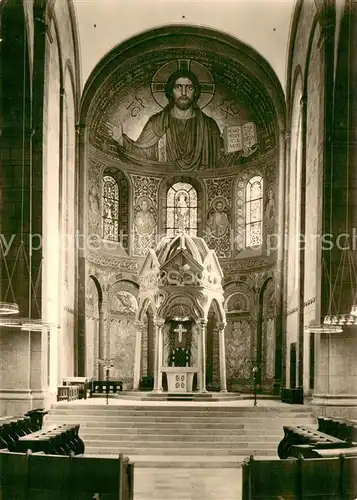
(178, 237)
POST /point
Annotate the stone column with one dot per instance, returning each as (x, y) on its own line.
(158, 324)
(101, 328)
(302, 231)
(222, 357)
(203, 326)
(137, 361)
(280, 268)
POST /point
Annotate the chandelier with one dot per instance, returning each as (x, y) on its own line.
(335, 317)
(9, 308)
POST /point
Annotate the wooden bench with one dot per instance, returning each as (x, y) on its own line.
(317, 478)
(56, 440)
(67, 392)
(338, 427)
(36, 418)
(309, 439)
(49, 477)
(13, 428)
(100, 387)
(84, 384)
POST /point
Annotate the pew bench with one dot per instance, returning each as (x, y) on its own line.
(308, 438)
(338, 427)
(36, 476)
(55, 440)
(13, 428)
(317, 478)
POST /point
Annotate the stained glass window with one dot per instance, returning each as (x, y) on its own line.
(181, 209)
(254, 212)
(110, 208)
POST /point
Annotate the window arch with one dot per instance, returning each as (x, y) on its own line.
(181, 209)
(254, 212)
(110, 210)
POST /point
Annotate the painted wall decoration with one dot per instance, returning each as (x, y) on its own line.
(94, 197)
(121, 329)
(180, 115)
(145, 216)
(218, 218)
(238, 350)
(125, 302)
(237, 303)
(145, 213)
(122, 347)
(270, 211)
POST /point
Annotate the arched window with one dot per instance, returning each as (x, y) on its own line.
(110, 206)
(254, 212)
(181, 211)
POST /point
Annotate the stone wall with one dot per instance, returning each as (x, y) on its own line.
(304, 183)
(46, 178)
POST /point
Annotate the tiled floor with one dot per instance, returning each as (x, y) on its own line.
(187, 484)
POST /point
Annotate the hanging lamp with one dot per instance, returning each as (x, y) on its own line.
(343, 318)
(8, 307)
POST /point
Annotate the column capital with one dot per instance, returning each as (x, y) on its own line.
(159, 321)
(202, 321)
(221, 326)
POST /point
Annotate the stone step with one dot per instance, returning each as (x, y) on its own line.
(180, 451)
(182, 416)
(159, 438)
(180, 434)
(194, 407)
(158, 443)
(173, 434)
(182, 461)
(173, 427)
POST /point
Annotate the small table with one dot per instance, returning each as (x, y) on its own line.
(179, 378)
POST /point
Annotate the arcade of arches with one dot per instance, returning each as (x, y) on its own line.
(155, 217)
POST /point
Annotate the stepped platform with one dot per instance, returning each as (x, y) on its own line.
(179, 434)
(175, 396)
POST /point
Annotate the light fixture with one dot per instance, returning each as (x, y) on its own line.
(7, 308)
(354, 310)
(8, 303)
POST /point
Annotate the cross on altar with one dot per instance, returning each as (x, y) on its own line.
(180, 330)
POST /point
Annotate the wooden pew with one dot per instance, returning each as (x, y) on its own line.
(12, 428)
(321, 478)
(47, 477)
(56, 440)
(338, 427)
(302, 435)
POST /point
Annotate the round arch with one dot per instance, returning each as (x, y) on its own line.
(172, 35)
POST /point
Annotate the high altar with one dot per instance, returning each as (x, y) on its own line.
(180, 282)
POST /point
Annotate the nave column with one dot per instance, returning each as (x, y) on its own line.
(222, 357)
(138, 354)
(202, 324)
(158, 325)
